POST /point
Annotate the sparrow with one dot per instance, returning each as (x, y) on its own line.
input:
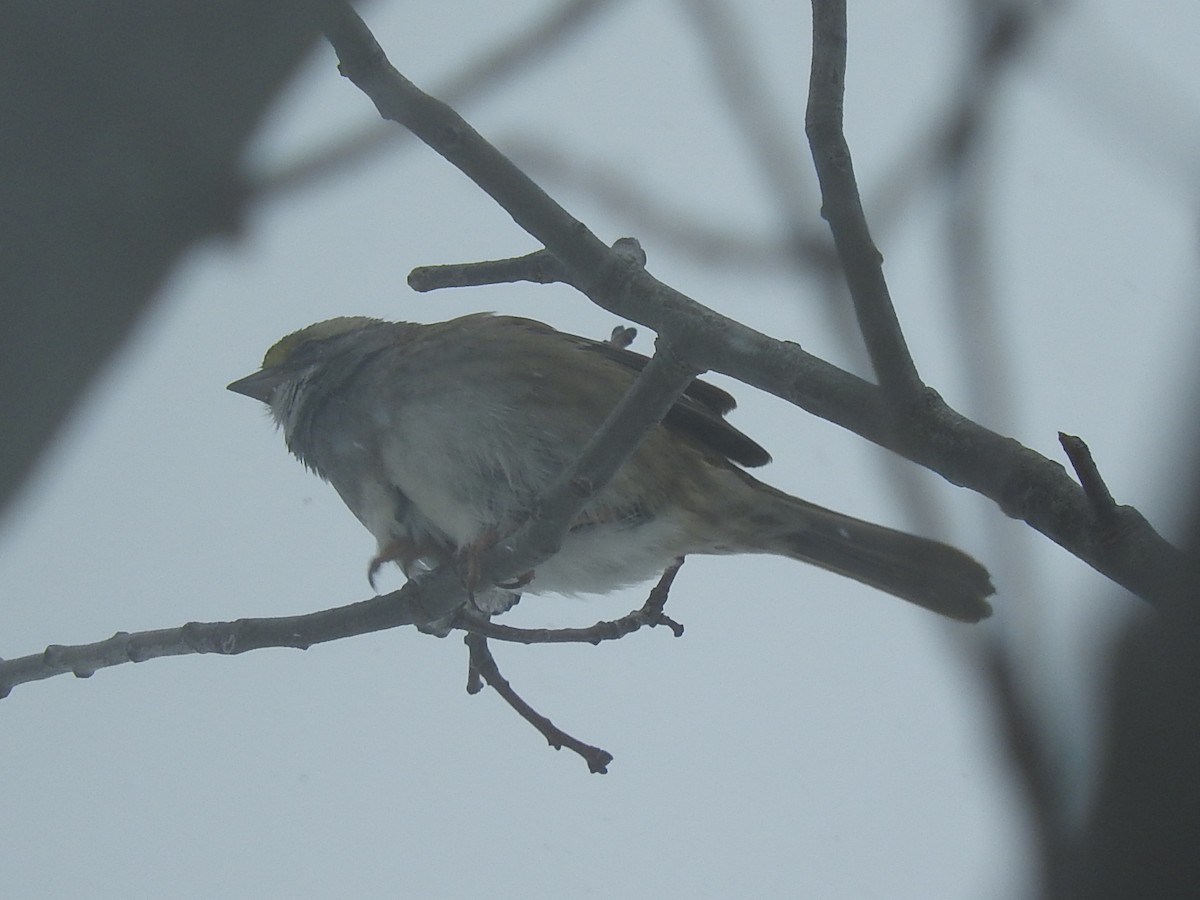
(439, 438)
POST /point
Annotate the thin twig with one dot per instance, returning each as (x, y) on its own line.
(483, 665)
(539, 267)
(650, 615)
(1090, 479)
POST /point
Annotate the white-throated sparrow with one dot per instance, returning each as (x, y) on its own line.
(439, 438)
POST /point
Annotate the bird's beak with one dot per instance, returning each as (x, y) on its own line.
(259, 385)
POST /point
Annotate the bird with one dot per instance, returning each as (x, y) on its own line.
(439, 438)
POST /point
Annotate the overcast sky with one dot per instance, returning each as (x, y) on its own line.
(807, 737)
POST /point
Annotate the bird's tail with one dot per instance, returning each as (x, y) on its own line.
(928, 573)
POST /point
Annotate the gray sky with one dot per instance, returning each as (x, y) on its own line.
(806, 737)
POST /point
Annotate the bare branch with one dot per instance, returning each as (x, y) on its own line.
(403, 607)
(483, 665)
(651, 614)
(224, 638)
(539, 267)
(1089, 476)
(842, 206)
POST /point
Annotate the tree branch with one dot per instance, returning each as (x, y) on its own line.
(650, 615)
(380, 613)
(483, 665)
(225, 638)
(842, 207)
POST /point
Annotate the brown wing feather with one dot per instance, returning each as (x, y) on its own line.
(699, 412)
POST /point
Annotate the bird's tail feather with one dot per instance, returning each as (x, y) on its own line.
(928, 573)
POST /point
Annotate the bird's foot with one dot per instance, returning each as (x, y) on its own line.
(472, 555)
(403, 553)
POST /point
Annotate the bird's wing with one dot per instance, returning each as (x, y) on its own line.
(700, 412)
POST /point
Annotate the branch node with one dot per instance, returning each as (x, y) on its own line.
(53, 656)
(632, 248)
(134, 651)
(189, 634)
